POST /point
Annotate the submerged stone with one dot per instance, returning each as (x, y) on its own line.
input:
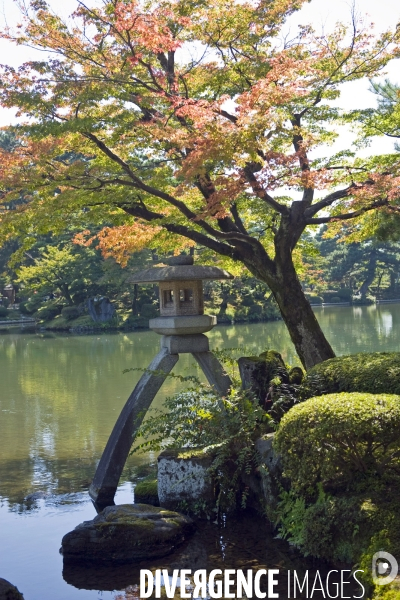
(8, 591)
(127, 533)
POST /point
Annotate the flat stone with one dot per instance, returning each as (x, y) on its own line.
(181, 344)
(183, 476)
(8, 591)
(183, 325)
(127, 533)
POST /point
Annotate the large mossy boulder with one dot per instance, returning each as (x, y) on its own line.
(127, 533)
(373, 373)
(274, 384)
(8, 591)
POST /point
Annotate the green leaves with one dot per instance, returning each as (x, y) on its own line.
(198, 420)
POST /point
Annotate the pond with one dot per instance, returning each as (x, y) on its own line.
(59, 398)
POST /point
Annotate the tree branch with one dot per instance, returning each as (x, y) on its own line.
(347, 216)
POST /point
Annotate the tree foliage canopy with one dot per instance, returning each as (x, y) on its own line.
(191, 122)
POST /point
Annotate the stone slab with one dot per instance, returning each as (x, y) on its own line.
(183, 477)
(177, 344)
(186, 325)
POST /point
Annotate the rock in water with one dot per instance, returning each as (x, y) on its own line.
(100, 309)
(8, 591)
(127, 533)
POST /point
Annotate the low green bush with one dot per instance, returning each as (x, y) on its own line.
(339, 439)
(374, 373)
(48, 312)
(345, 294)
(255, 313)
(314, 298)
(3, 312)
(70, 312)
(327, 295)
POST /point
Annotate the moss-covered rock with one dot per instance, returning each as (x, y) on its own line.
(146, 492)
(127, 533)
(373, 373)
(8, 591)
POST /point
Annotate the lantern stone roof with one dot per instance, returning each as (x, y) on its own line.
(180, 268)
(181, 273)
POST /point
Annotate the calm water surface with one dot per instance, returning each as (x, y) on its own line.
(59, 399)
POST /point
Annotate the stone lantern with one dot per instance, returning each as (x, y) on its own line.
(182, 324)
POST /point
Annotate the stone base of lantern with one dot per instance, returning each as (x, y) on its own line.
(183, 325)
(112, 462)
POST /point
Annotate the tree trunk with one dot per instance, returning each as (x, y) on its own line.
(371, 269)
(135, 304)
(65, 292)
(305, 332)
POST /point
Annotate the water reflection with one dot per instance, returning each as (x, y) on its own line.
(60, 395)
(59, 399)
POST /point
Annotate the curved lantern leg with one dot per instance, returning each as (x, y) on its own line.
(108, 472)
(214, 371)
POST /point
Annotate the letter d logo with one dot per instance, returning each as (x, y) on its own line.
(384, 568)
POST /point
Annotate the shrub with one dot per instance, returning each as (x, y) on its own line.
(335, 299)
(148, 311)
(332, 528)
(226, 428)
(70, 312)
(345, 294)
(48, 312)
(255, 312)
(327, 295)
(314, 298)
(339, 438)
(374, 373)
(23, 309)
(33, 304)
(3, 312)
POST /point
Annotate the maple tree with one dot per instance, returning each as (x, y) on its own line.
(192, 123)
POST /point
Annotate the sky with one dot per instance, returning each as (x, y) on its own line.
(322, 14)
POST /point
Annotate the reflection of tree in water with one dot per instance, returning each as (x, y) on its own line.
(60, 395)
(60, 399)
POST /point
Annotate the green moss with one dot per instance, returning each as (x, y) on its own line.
(185, 453)
(377, 372)
(146, 492)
